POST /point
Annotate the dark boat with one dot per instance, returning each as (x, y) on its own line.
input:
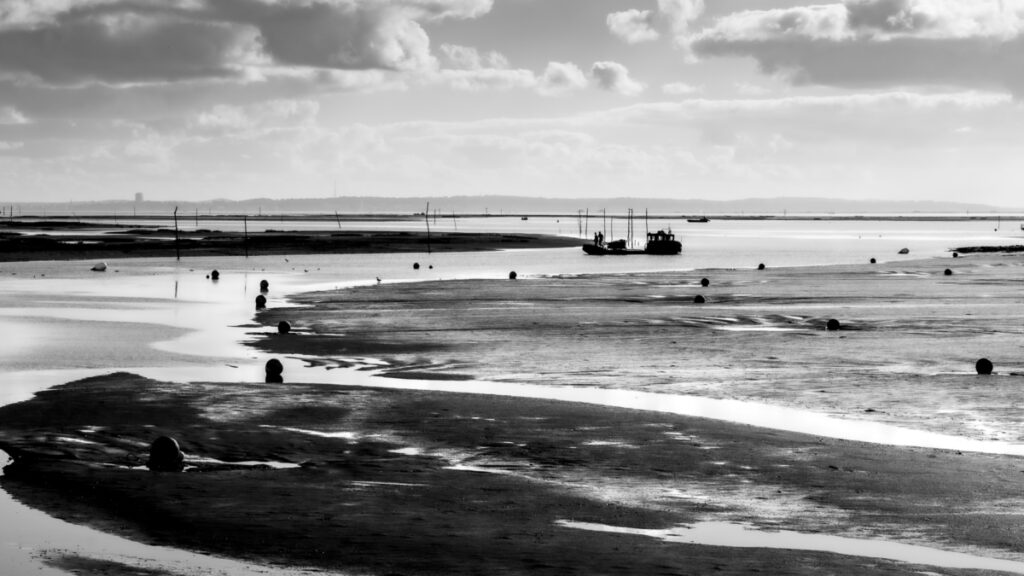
(700, 220)
(660, 242)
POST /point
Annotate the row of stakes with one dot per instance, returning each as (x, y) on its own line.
(165, 454)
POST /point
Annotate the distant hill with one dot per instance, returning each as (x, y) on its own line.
(496, 205)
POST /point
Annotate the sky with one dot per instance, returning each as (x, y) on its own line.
(715, 99)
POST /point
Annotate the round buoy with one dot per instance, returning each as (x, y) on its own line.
(264, 286)
(512, 275)
(760, 266)
(274, 370)
(214, 275)
(832, 324)
(698, 299)
(948, 272)
(956, 255)
(705, 282)
(983, 366)
(904, 251)
(165, 455)
(283, 327)
(431, 267)
(261, 302)
(415, 265)
(873, 261)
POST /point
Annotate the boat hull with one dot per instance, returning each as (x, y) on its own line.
(665, 248)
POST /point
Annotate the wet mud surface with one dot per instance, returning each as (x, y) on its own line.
(410, 482)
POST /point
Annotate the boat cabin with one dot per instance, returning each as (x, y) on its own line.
(660, 236)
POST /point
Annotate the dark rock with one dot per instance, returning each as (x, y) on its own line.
(165, 455)
(983, 366)
(261, 302)
(705, 282)
(873, 261)
(956, 255)
(948, 272)
(274, 370)
(264, 286)
(832, 324)
(214, 275)
(904, 251)
(760, 266)
(283, 327)
(698, 299)
(512, 275)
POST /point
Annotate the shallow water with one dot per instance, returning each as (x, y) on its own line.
(741, 536)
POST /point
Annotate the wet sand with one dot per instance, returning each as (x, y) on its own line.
(365, 480)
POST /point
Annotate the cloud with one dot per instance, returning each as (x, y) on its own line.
(680, 15)
(680, 89)
(632, 26)
(61, 42)
(879, 43)
(561, 77)
(10, 115)
(614, 77)
(290, 114)
(469, 58)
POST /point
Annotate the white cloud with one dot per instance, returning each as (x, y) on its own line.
(8, 146)
(614, 77)
(561, 77)
(488, 79)
(632, 26)
(61, 42)
(680, 89)
(10, 115)
(874, 43)
(469, 58)
(274, 114)
(680, 15)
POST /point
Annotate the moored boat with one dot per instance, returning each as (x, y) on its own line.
(658, 243)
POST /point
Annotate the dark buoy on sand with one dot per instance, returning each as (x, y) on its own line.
(512, 275)
(698, 299)
(165, 455)
(956, 254)
(283, 327)
(261, 302)
(415, 265)
(760, 266)
(904, 251)
(873, 261)
(948, 272)
(983, 366)
(274, 371)
(214, 275)
(705, 282)
(832, 324)
(264, 286)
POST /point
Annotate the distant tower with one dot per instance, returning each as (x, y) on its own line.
(138, 196)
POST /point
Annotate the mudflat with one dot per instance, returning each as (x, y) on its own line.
(380, 481)
(89, 241)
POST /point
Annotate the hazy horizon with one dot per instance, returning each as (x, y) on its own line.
(907, 100)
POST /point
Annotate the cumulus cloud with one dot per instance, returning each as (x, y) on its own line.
(615, 77)
(469, 58)
(260, 116)
(867, 43)
(680, 15)
(126, 41)
(632, 26)
(561, 77)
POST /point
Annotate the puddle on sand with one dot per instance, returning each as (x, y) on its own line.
(740, 536)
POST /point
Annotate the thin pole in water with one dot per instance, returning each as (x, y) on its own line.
(245, 240)
(177, 247)
(427, 218)
(337, 218)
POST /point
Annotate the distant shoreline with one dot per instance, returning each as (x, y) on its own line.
(404, 216)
